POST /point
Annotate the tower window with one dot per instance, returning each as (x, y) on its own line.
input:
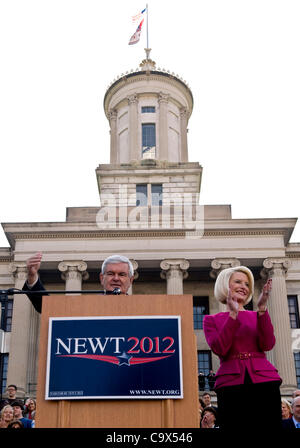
(148, 109)
(148, 141)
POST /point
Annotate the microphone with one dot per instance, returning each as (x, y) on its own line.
(115, 291)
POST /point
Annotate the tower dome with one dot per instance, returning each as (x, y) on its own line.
(148, 111)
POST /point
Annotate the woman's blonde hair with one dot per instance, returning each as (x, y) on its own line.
(288, 405)
(222, 283)
(4, 409)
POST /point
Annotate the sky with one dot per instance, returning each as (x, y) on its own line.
(240, 58)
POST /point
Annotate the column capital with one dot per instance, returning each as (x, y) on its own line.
(219, 264)
(275, 267)
(174, 271)
(73, 270)
(18, 269)
(133, 99)
(171, 266)
(163, 97)
(112, 114)
(183, 112)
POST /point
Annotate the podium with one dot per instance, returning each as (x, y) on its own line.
(121, 413)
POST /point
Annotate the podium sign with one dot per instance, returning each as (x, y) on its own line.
(114, 357)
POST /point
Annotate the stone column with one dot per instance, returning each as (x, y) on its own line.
(282, 354)
(73, 272)
(163, 100)
(23, 334)
(135, 274)
(113, 136)
(218, 265)
(174, 271)
(183, 135)
(135, 150)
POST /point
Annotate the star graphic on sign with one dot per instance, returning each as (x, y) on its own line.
(124, 359)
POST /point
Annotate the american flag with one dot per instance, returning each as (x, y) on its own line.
(138, 16)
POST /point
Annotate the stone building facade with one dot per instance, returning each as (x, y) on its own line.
(150, 211)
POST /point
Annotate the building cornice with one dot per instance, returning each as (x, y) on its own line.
(293, 254)
(153, 75)
(218, 228)
(148, 166)
(293, 250)
(6, 259)
(141, 234)
(5, 255)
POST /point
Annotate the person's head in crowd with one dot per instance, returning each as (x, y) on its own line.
(15, 424)
(18, 408)
(296, 408)
(117, 272)
(286, 409)
(12, 391)
(6, 416)
(238, 279)
(209, 417)
(206, 398)
(296, 393)
(30, 404)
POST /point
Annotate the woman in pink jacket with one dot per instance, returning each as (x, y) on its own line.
(240, 338)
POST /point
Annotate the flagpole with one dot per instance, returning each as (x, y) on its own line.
(147, 26)
(147, 50)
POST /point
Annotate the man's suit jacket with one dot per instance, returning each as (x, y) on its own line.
(240, 344)
(36, 299)
(288, 424)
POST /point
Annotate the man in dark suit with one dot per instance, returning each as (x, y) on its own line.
(294, 421)
(116, 272)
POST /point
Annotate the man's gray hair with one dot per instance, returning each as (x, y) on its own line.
(117, 259)
(294, 400)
